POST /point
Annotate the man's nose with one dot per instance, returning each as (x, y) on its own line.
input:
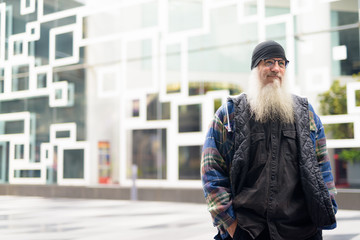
(275, 67)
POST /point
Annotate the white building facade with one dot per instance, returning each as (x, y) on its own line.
(90, 88)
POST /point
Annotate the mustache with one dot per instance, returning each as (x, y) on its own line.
(274, 75)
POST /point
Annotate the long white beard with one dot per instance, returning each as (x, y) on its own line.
(271, 101)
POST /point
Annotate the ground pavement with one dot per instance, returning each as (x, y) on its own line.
(30, 218)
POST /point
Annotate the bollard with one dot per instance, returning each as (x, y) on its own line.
(134, 177)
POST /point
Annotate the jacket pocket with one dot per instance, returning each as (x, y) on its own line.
(255, 137)
(288, 145)
(257, 149)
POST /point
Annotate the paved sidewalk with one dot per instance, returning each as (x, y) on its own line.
(30, 218)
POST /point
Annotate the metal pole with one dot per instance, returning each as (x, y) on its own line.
(134, 171)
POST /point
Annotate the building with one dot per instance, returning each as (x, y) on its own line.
(88, 88)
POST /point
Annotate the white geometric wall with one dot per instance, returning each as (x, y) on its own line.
(121, 81)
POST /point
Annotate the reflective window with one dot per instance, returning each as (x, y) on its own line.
(73, 163)
(185, 15)
(157, 110)
(135, 108)
(201, 88)
(27, 173)
(2, 72)
(149, 153)
(139, 65)
(190, 118)
(173, 69)
(20, 78)
(4, 162)
(281, 8)
(13, 127)
(217, 52)
(189, 162)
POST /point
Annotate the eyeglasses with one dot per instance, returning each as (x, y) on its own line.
(271, 63)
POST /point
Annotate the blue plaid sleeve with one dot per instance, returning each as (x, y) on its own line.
(216, 157)
(319, 140)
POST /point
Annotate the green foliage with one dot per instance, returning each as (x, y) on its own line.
(334, 102)
(350, 155)
(357, 98)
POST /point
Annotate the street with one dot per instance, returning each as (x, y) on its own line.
(30, 218)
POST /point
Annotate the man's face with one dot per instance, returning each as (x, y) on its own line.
(270, 70)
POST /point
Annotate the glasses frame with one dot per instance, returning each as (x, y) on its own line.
(286, 62)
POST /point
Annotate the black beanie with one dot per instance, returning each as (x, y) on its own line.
(267, 49)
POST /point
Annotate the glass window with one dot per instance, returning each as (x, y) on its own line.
(345, 11)
(190, 118)
(20, 78)
(139, 65)
(53, 6)
(189, 162)
(64, 45)
(149, 153)
(124, 19)
(62, 134)
(77, 112)
(103, 53)
(19, 20)
(19, 151)
(41, 80)
(339, 130)
(346, 163)
(73, 163)
(27, 173)
(227, 48)
(250, 8)
(185, 15)
(2, 73)
(201, 88)
(51, 171)
(277, 8)
(277, 32)
(12, 106)
(157, 110)
(14, 127)
(350, 39)
(135, 108)
(173, 69)
(4, 161)
(40, 48)
(18, 47)
(217, 104)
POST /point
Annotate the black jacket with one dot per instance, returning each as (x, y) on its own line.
(316, 194)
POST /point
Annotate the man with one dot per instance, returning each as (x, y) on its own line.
(265, 167)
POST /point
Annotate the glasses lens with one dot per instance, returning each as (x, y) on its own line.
(269, 62)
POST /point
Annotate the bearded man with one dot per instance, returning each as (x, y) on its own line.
(265, 168)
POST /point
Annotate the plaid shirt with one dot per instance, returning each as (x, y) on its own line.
(216, 160)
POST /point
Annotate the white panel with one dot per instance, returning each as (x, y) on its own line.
(317, 79)
(339, 52)
(26, 10)
(59, 127)
(33, 31)
(67, 94)
(2, 31)
(47, 154)
(108, 81)
(76, 31)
